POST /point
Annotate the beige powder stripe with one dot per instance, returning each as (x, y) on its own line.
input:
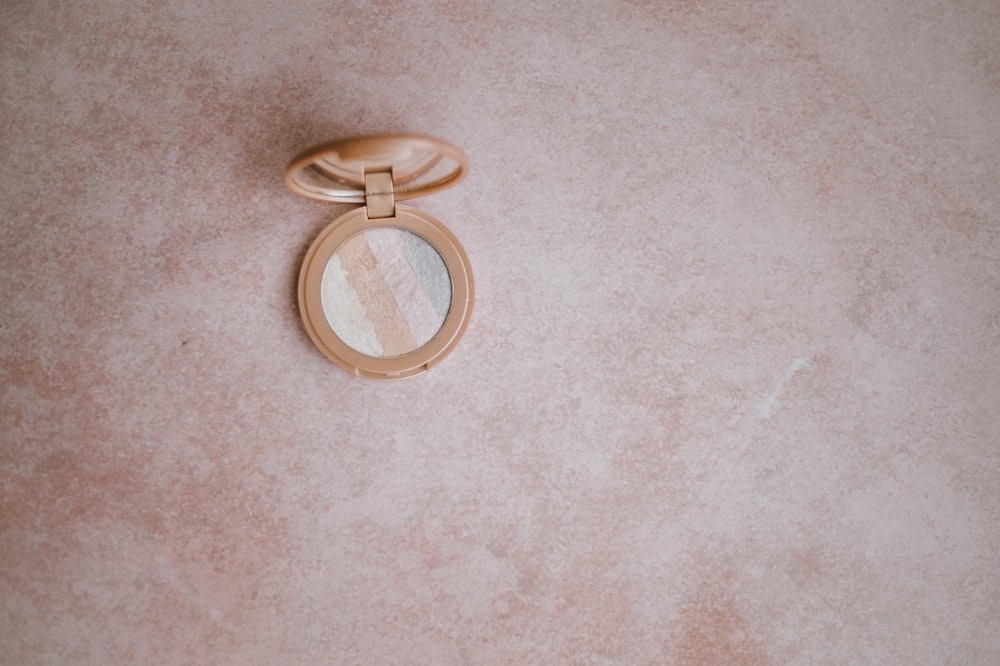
(389, 249)
(363, 273)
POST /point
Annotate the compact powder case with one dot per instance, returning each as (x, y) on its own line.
(386, 290)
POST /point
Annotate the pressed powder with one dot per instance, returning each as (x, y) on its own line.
(385, 291)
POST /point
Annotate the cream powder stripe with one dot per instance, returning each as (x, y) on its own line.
(345, 312)
(388, 246)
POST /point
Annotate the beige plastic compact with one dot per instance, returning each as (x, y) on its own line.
(386, 290)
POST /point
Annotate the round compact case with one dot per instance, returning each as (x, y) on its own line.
(386, 290)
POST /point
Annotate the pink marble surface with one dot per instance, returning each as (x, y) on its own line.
(729, 396)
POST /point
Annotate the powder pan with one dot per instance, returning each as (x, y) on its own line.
(378, 171)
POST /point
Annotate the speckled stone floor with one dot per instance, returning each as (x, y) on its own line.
(730, 393)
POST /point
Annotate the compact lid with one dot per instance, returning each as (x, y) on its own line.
(335, 171)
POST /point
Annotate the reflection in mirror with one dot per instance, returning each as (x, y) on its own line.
(407, 163)
(336, 171)
(421, 170)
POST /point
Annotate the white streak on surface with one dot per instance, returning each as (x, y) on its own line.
(765, 408)
(770, 401)
(170, 576)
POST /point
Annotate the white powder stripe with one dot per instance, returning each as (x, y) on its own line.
(390, 252)
(345, 312)
(431, 271)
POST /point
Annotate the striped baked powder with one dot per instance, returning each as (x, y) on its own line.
(385, 292)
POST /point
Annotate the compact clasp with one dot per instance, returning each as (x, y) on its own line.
(380, 199)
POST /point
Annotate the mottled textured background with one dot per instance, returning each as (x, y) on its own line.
(730, 391)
